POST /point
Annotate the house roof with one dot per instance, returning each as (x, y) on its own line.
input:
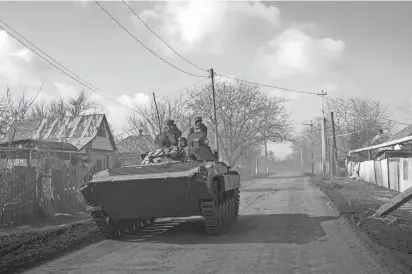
(77, 131)
(135, 144)
(407, 131)
(46, 144)
(378, 139)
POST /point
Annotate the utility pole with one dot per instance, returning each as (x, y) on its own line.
(313, 147)
(335, 152)
(301, 158)
(323, 136)
(212, 76)
(257, 164)
(327, 148)
(266, 145)
(266, 157)
(294, 162)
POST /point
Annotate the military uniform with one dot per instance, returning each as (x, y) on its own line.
(180, 151)
(199, 127)
(176, 132)
(165, 140)
(172, 129)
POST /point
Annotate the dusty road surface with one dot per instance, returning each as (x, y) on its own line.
(285, 227)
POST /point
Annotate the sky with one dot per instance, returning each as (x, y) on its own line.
(343, 48)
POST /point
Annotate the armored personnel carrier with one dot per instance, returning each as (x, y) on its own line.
(170, 182)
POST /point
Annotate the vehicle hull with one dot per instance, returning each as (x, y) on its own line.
(148, 198)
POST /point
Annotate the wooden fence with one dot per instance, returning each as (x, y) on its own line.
(25, 192)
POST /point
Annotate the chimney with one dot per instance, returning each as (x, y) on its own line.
(140, 132)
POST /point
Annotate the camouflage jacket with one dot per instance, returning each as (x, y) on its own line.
(202, 128)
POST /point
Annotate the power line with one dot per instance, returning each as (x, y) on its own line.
(81, 81)
(137, 40)
(21, 36)
(269, 86)
(131, 9)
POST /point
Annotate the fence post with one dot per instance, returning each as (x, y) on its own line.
(387, 173)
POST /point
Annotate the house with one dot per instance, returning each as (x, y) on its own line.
(379, 138)
(399, 150)
(76, 140)
(130, 149)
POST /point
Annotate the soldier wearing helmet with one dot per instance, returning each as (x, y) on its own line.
(199, 126)
(171, 128)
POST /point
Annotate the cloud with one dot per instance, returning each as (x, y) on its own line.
(207, 26)
(139, 99)
(287, 95)
(14, 62)
(82, 3)
(66, 91)
(118, 114)
(250, 29)
(330, 87)
(294, 52)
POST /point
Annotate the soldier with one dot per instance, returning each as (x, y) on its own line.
(199, 126)
(176, 130)
(164, 140)
(172, 129)
(168, 125)
(180, 151)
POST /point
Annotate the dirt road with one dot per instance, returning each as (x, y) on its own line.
(285, 227)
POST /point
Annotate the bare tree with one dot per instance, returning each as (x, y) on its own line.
(363, 117)
(248, 159)
(357, 122)
(40, 109)
(247, 117)
(80, 105)
(57, 108)
(74, 106)
(12, 111)
(146, 118)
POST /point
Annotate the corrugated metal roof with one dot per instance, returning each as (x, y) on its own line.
(407, 131)
(77, 131)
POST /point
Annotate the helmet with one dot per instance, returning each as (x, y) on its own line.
(198, 119)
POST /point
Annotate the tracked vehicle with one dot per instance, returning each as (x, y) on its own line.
(192, 182)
